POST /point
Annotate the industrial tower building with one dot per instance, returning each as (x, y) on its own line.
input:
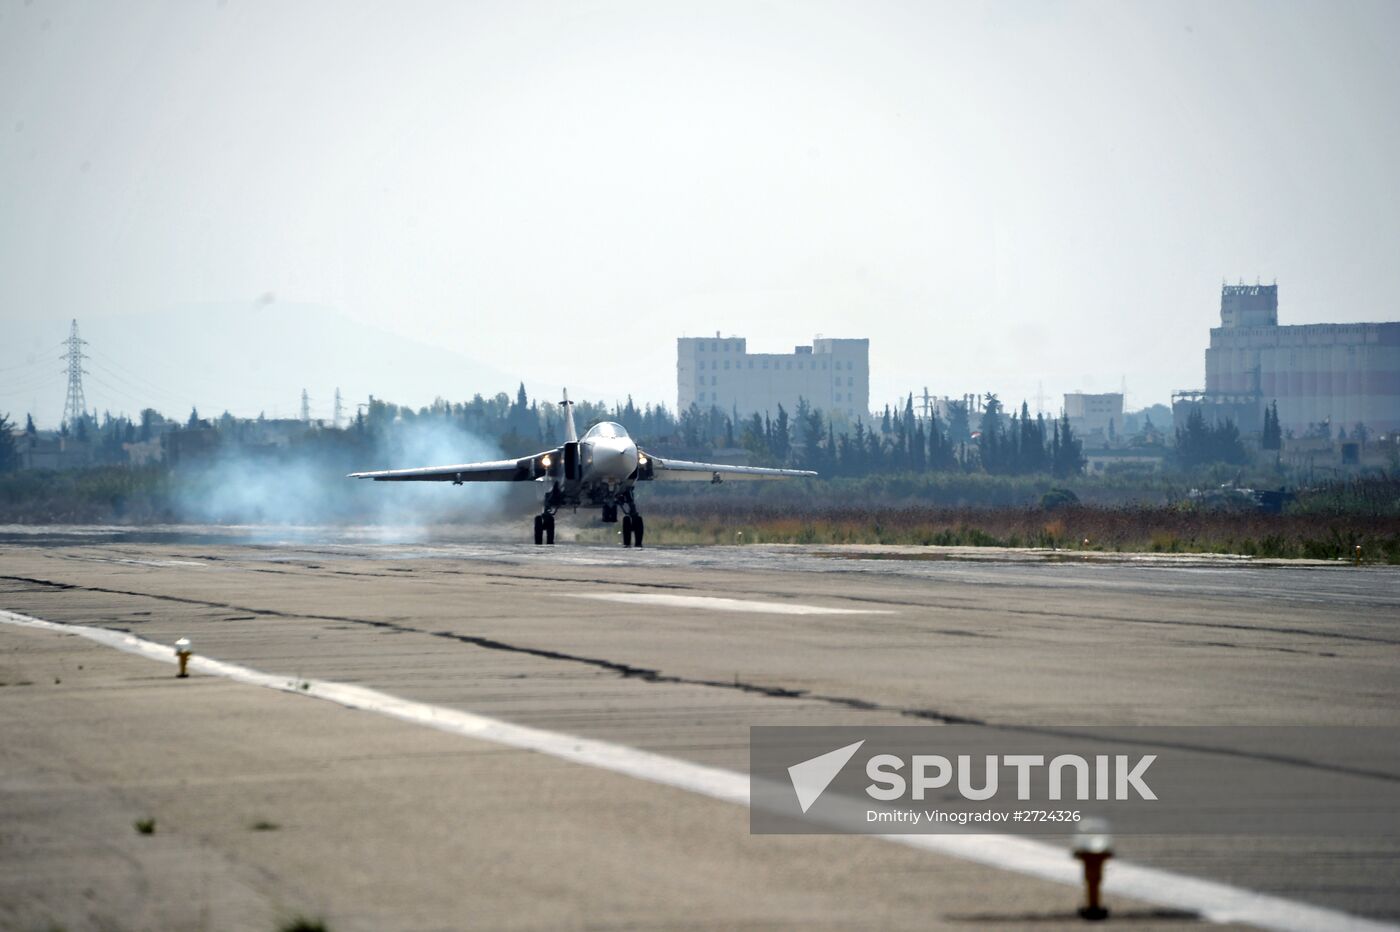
(1337, 374)
(832, 375)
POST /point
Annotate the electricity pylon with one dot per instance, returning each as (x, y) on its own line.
(75, 405)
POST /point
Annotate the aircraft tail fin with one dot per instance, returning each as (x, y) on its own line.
(570, 434)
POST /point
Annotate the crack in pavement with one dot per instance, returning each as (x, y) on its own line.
(622, 669)
(651, 675)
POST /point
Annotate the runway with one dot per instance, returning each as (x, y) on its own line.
(673, 652)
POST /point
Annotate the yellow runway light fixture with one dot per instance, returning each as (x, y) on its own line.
(183, 650)
(1093, 845)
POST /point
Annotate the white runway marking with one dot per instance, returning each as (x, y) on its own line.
(717, 604)
(162, 562)
(1216, 902)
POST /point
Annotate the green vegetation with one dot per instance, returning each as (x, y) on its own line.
(101, 494)
(1199, 443)
(1272, 436)
(9, 447)
(1370, 496)
(1058, 498)
(145, 826)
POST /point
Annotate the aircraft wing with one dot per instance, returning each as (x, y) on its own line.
(665, 468)
(525, 469)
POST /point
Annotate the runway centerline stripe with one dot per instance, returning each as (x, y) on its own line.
(720, 604)
(1213, 901)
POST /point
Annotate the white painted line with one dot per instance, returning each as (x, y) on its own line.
(162, 562)
(1216, 902)
(717, 604)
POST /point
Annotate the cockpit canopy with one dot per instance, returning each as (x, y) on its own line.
(606, 430)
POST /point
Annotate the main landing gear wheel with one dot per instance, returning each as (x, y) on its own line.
(539, 530)
(632, 530)
(544, 529)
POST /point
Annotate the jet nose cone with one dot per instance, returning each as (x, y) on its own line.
(615, 461)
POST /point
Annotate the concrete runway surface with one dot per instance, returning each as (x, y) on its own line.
(269, 804)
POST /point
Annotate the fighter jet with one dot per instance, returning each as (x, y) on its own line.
(599, 470)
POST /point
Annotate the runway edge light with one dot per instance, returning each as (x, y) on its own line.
(183, 649)
(1093, 845)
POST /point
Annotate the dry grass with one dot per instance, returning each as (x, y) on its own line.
(1127, 529)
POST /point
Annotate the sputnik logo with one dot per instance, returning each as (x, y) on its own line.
(811, 777)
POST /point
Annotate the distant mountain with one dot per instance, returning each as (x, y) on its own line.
(246, 359)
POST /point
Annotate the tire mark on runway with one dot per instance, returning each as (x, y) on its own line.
(1281, 650)
(520, 577)
(1211, 625)
(1045, 613)
(971, 607)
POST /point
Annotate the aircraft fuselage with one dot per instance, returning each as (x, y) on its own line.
(607, 468)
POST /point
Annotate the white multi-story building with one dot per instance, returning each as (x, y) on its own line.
(832, 375)
(1097, 417)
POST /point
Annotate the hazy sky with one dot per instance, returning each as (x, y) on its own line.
(996, 194)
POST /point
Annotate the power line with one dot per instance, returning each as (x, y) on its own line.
(36, 379)
(27, 364)
(159, 370)
(152, 391)
(120, 393)
(155, 394)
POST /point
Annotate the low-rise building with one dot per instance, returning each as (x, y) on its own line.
(53, 450)
(189, 444)
(1096, 418)
(144, 452)
(832, 375)
(1099, 462)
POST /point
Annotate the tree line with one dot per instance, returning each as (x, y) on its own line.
(902, 441)
(807, 438)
